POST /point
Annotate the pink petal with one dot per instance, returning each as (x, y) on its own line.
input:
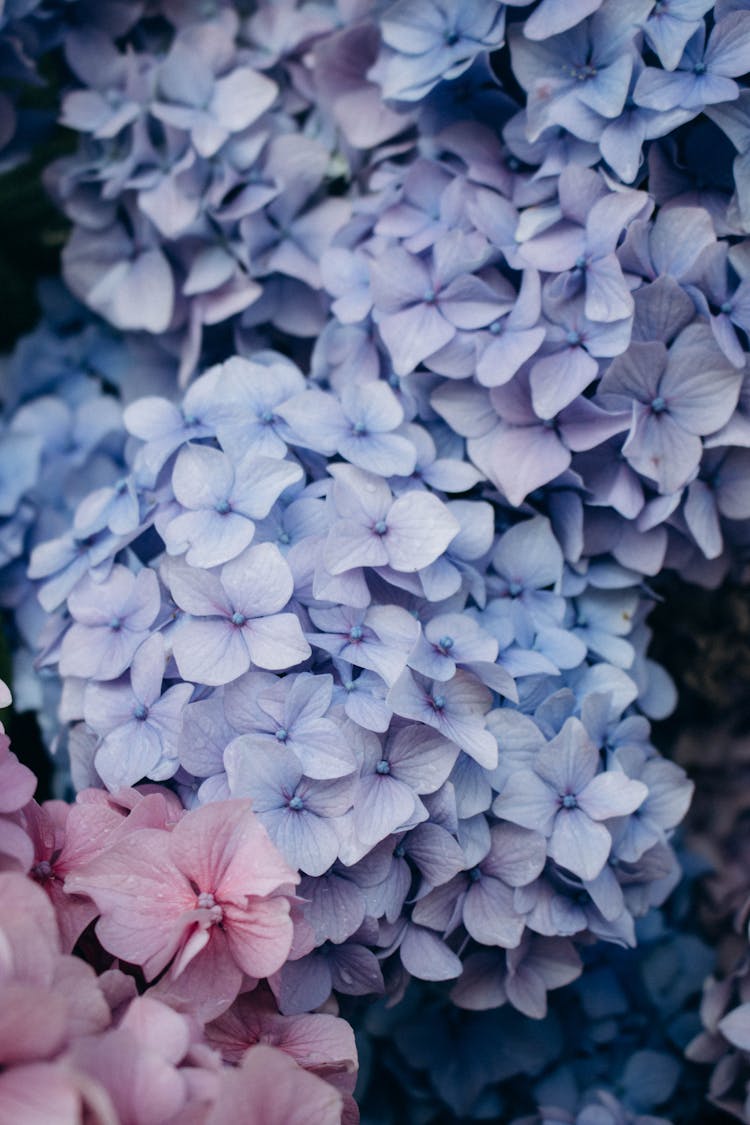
(270, 1087)
(260, 936)
(143, 899)
(226, 851)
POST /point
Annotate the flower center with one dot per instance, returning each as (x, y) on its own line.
(355, 633)
(223, 507)
(238, 619)
(284, 537)
(266, 417)
(475, 874)
(296, 803)
(359, 428)
(583, 72)
(42, 870)
(115, 624)
(573, 338)
(380, 527)
(446, 644)
(206, 901)
(514, 589)
(658, 405)
(383, 767)
(140, 712)
(282, 734)
(437, 702)
(569, 801)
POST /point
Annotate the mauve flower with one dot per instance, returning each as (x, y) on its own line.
(705, 74)
(515, 448)
(581, 237)
(292, 713)
(456, 708)
(124, 277)
(232, 621)
(139, 727)
(380, 637)
(373, 529)
(514, 336)
(669, 27)
(210, 898)
(419, 308)
(136, 1063)
(564, 797)
(164, 426)
(47, 998)
(413, 761)
(553, 16)
(17, 782)
(425, 42)
(581, 76)
(482, 898)
(677, 396)
(322, 1044)
(110, 621)
(360, 427)
(118, 84)
(297, 812)
(272, 1088)
(195, 98)
(220, 502)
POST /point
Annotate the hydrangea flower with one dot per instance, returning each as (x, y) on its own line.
(565, 798)
(209, 898)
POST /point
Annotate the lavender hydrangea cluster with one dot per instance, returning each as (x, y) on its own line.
(440, 740)
(401, 353)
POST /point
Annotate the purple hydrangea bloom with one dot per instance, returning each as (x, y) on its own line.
(426, 42)
(482, 898)
(705, 74)
(232, 621)
(565, 797)
(419, 308)
(455, 708)
(373, 529)
(296, 812)
(414, 761)
(360, 427)
(677, 396)
(110, 620)
(581, 76)
(292, 714)
(138, 726)
(221, 502)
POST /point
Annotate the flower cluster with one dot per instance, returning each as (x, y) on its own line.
(343, 640)
(608, 1050)
(202, 895)
(439, 740)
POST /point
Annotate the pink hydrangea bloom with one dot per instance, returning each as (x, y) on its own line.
(270, 1087)
(321, 1043)
(67, 837)
(46, 998)
(17, 785)
(211, 898)
(136, 1064)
